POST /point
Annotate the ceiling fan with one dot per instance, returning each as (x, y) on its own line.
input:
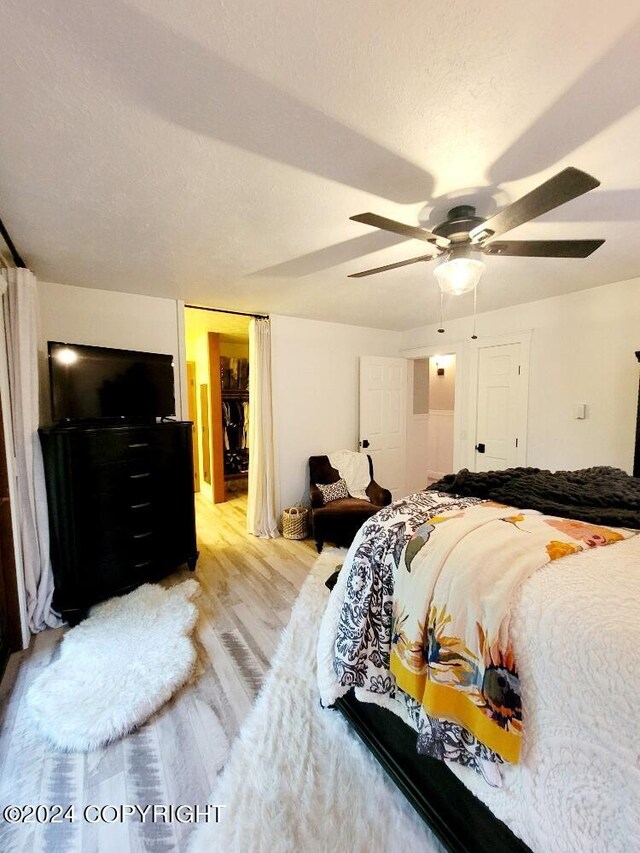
(464, 234)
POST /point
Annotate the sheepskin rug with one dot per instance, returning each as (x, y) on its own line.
(298, 780)
(117, 667)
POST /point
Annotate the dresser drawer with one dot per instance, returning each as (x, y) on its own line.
(104, 447)
(133, 545)
(113, 573)
(118, 486)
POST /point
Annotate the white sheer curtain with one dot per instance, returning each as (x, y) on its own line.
(261, 506)
(21, 324)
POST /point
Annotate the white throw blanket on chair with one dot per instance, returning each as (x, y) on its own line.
(354, 469)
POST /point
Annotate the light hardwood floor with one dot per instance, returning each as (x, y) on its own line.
(248, 588)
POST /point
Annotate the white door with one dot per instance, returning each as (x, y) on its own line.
(499, 413)
(383, 418)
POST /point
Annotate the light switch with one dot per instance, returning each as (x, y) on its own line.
(580, 411)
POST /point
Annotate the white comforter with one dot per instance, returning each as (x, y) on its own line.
(577, 787)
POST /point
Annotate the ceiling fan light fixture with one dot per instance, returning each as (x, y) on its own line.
(459, 273)
(463, 233)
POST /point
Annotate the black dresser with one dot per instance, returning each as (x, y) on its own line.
(121, 508)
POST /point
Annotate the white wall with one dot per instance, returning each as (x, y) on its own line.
(440, 421)
(419, 388)
(417, 424)
(82, 315)
(442, 388)
(429, 421)
(316, 392)
(582, 351)
(439, 443)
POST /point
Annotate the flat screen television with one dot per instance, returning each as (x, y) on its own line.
(99, 383)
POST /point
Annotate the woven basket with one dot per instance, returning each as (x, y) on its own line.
(295, 523)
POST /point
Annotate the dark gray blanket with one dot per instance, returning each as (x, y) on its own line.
(597, 495)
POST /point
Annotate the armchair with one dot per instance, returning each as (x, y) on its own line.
(340, 520)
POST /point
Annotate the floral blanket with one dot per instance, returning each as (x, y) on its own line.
(424, 619)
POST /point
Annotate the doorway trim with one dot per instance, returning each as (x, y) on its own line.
(466, 390)
(192, 414)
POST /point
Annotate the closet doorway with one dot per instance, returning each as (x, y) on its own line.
(217, 349)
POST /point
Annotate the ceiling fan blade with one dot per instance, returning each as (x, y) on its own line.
(393, 266)
(542, 248)
(566, 185)
(401, 228)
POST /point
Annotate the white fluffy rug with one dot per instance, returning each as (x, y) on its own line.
(298, 779)
(117, 667)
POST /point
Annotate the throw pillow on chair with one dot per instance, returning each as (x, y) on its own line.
(333, 491)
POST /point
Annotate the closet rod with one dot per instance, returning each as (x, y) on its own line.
(225, 311)
(17, 260)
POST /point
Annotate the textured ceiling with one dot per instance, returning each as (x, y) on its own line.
(214, 151)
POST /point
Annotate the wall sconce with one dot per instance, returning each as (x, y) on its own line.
(439, 370)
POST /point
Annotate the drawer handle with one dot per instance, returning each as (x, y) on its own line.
(141, 506)
(140, 476)
(139, 444)
(142, 565)
(142, 535)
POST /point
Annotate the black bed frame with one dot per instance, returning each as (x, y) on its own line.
(461, 822)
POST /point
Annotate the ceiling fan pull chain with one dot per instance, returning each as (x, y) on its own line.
(441, 322)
